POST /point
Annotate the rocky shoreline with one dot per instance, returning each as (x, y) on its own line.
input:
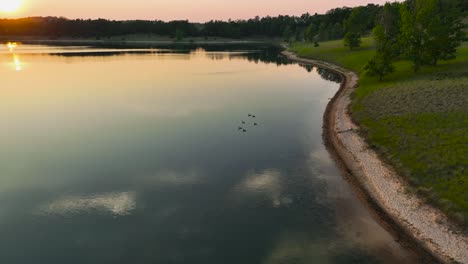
(410, 219)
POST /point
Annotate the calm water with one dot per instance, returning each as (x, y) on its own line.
(135, 156)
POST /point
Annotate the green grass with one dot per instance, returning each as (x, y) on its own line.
(334, 51)
(417, 121)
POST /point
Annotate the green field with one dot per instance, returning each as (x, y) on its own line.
(418, 122)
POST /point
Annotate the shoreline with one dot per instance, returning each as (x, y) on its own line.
(412, 221)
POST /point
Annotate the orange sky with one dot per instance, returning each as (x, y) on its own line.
(194, 10)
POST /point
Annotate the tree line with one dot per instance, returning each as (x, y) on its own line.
(423, 31)
(317, 27)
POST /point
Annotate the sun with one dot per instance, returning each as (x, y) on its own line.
(9, 6)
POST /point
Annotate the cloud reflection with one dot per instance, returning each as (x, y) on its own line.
(291, 247)
(118, 204)
(268, 183)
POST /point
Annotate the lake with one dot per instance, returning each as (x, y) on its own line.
(114, 155)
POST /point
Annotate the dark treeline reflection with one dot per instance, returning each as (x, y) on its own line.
(272, 56)
(329, 75)
(252, 53)
(106, 54)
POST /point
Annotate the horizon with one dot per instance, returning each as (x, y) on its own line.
(199, 12)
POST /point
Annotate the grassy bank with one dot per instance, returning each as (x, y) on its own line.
(418, 122)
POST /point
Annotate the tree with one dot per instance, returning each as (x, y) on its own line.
(412, 31)
(390, 22)
(311, 32)
(336, 31)
(352, 40)
(323, 33)
(287, 34)
(386, 41)
(381, 64)
(299, 34)
(431, 30)
(179, 35)
(355, 26)
(357, 20)
(447, 31)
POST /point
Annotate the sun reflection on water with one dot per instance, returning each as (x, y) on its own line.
(12, 45)
(17, 62)
(16, 59)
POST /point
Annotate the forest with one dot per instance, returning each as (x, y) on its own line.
(327, 26)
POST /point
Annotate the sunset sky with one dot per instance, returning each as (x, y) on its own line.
(194, 10)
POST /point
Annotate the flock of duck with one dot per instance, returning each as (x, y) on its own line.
(243, 123)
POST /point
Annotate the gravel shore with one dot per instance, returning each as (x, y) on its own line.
(425, 225)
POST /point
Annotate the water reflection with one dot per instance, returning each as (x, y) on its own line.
(355, 222)
(16, 59)
(17, 62)
(272, 56)
(118, 204)
(266, 183)
(329, 75)
(11, 46)
(267, 55)
(136, 158)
